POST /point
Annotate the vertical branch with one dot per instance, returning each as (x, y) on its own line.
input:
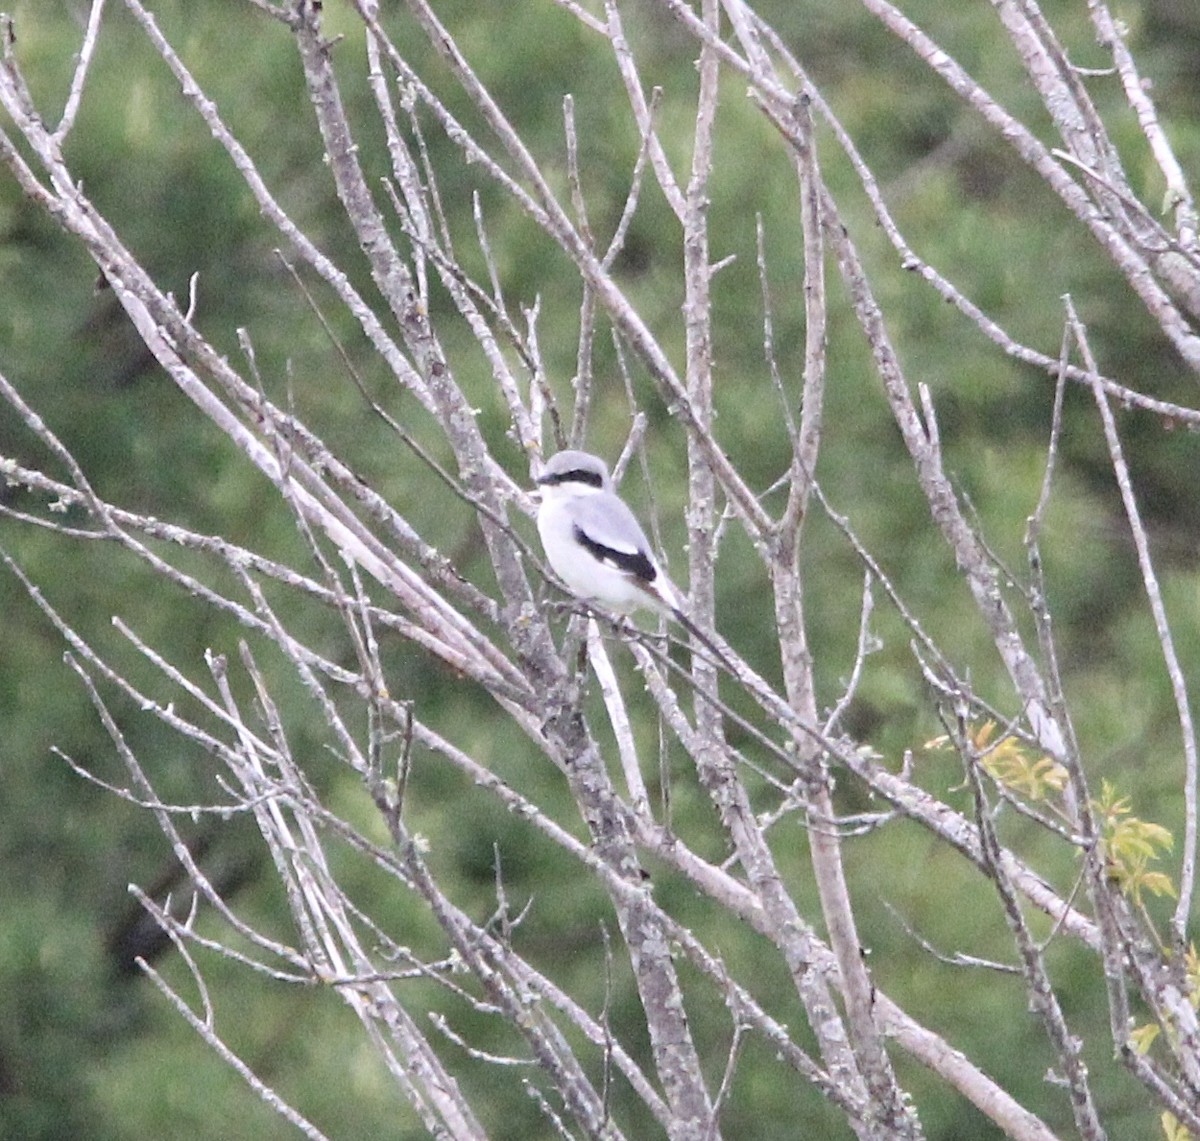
(886, 1111)
(1162, 627)
(642, 111)
(1137, 92)
(618, 718)
(395, 282)
(584, 377)
(946, 512)
(815, 321)
(895, 1116)
(697, 314)
(79, 79)
(1042, 998)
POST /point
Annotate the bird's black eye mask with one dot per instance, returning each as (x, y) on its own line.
(579, 475)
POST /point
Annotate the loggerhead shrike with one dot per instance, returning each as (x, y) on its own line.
(594, 542)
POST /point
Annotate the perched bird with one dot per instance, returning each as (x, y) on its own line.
(594, 542)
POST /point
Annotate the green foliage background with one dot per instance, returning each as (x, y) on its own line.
(87, 1048)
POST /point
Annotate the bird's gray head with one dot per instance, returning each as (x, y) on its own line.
(575, 471)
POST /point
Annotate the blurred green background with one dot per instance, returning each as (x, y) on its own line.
(87, 1047)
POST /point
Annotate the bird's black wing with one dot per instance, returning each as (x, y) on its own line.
(636, 564)
(612, 533)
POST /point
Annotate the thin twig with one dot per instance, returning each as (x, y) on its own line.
(1162, 626)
